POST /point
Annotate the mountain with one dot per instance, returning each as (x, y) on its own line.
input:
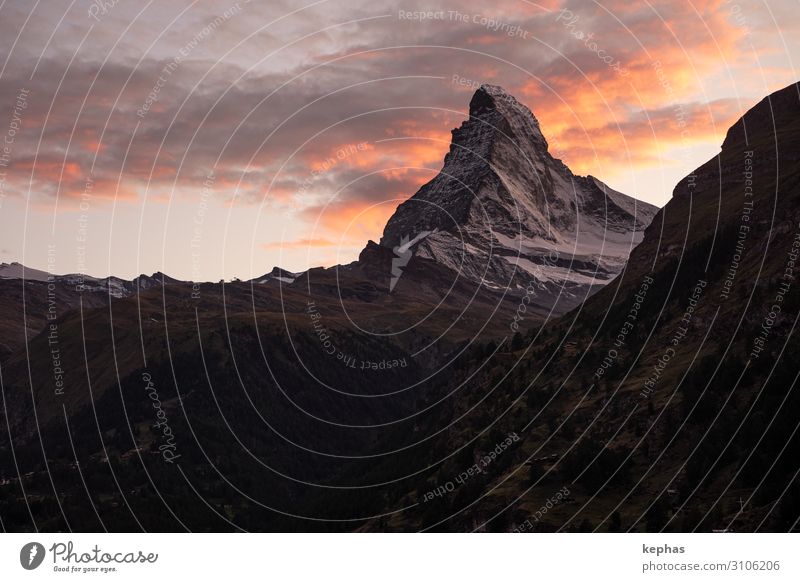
(363, 397)
(505, 213)
(277, 275)
(30, 297)
(20, 271)
(114, 286)
(668, 400)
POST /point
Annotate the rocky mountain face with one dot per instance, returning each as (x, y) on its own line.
(505, 213)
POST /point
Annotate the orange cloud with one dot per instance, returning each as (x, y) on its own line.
(355, 222)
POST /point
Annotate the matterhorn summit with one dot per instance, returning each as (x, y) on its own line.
(507, 214)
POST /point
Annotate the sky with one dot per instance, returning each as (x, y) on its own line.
(213, 140)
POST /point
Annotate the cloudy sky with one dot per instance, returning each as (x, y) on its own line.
(216, 139)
